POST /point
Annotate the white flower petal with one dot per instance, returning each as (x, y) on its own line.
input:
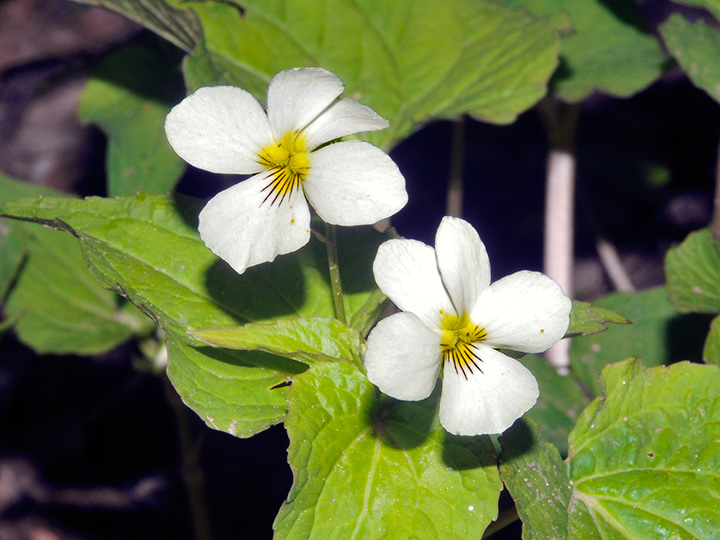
(463, 262)
(344, 117)
(295, 97)
(220, 129)
(403, 357)
(354, 183)
(526, 311)
(406, 271)
(487, 402)
(244, 229)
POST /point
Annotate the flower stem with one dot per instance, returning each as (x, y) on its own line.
(334, 268)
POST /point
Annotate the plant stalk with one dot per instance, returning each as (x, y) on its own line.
(334, 268)
(561, 123)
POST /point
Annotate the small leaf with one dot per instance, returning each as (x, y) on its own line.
(586, 319)
(696, 47)
(609, 49)
(530, 466)
(693, 273)
(129, 95)
(658, 335)
(644, 456)
(560, 403)
(410, 60)
(241, 393)
(379, 470)
(178, 26)
(711, 352)
(307, 340)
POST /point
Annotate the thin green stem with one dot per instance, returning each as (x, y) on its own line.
(334, 268)
(506, 517)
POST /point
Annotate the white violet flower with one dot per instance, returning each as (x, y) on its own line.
(224, 129)
(452, 317)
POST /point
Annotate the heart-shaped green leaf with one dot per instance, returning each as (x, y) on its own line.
(373, 470)
(644, 457)
(410, 60)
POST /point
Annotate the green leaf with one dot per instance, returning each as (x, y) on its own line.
(308, 340)
(586, 319)
(711, 352)
(178, 26)
(148, 249)
(609, 49)
(241, 393)
(644, 457)
(529, 467)
(379, 470)
(60, 307)
(696, 47)
(410, 60)
(560, 403)
(129, 95)
(693, 273)
(57, 306)
(658, 334)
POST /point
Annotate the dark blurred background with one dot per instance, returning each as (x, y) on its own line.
(90, 446)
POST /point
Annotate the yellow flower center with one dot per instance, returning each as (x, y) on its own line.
(457, 342)
(288, 162)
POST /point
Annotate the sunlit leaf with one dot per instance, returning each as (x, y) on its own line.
(308, 340)
(644, 456)
(148, 249)
(373, 470)
(129, 95)
(241, 393)
(410, 60)
(608, 50)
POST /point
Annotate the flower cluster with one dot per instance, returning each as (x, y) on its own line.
(453, 318)
(224, 129)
